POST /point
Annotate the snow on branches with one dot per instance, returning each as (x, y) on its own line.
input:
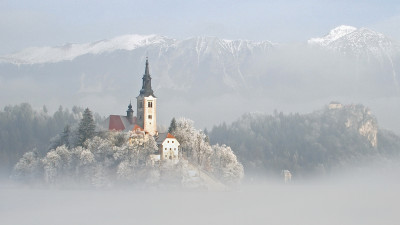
(103, 162)
(216, 159)
(128, 158)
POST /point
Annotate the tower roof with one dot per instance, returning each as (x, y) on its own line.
(146, 90)
(130, 107)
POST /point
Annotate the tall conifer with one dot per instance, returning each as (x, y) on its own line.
(86, 129)
(172, 126)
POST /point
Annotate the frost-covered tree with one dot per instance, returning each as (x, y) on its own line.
(185, 133)
(202, 150)
(28, 168)
(86, 129)
(57, 164)
(192, 142)
(133, 157)
(85, 165)
(225, 164)
(118, 138)
(126, 170)
(220, 160)
(125, 158)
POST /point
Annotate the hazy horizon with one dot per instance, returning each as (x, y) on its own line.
(53, 23)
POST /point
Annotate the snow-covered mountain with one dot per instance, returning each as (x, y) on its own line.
(333, 35)
(230, 76)
(362, 42)
(202, 45)
(36, 55)
(344, 39)
(374, 54)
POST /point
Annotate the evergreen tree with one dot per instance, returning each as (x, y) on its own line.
(65, 136)
(172, 126)
(22, 128)
(86, 129)
(207, 137)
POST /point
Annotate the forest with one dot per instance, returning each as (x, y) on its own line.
(24, 129)
(312, 144)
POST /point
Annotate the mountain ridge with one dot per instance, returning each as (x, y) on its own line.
(358, 42)
(342, 38)
(39, 55)
(230, 76)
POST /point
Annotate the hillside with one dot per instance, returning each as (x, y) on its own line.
(335, 137)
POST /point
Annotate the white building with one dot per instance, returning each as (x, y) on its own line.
(287, 176)
(168, 146)
(335, 105)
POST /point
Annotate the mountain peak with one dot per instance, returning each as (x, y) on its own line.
(70, 51)
(363, 43)
(333, 35)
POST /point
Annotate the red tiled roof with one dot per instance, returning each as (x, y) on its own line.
(137, 127)
(170, 135)
(116, 123)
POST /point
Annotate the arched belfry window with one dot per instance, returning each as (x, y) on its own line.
(150, 104)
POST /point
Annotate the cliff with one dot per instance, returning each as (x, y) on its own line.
(356, 117)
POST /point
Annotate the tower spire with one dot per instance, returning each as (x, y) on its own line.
(146, 71)
(129, 112)
(147, 104)
(146, 87)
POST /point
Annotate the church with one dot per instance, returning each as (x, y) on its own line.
(145, 120)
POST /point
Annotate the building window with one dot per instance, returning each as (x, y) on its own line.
(167, 141)
(150, 117)
(150, 104)
(172, 141)
(170, 148)
(140, 104)
(165, 148)
(140, 117)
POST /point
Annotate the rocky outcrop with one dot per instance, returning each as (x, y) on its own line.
(360, 118)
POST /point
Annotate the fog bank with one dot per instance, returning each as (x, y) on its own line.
(356, 198)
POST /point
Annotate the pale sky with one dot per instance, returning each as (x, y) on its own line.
(28, 23)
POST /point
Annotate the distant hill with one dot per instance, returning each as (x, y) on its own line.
(336, 137)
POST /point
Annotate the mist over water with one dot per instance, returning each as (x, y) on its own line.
(365, 196)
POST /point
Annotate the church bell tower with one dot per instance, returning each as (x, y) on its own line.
(147, 105)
